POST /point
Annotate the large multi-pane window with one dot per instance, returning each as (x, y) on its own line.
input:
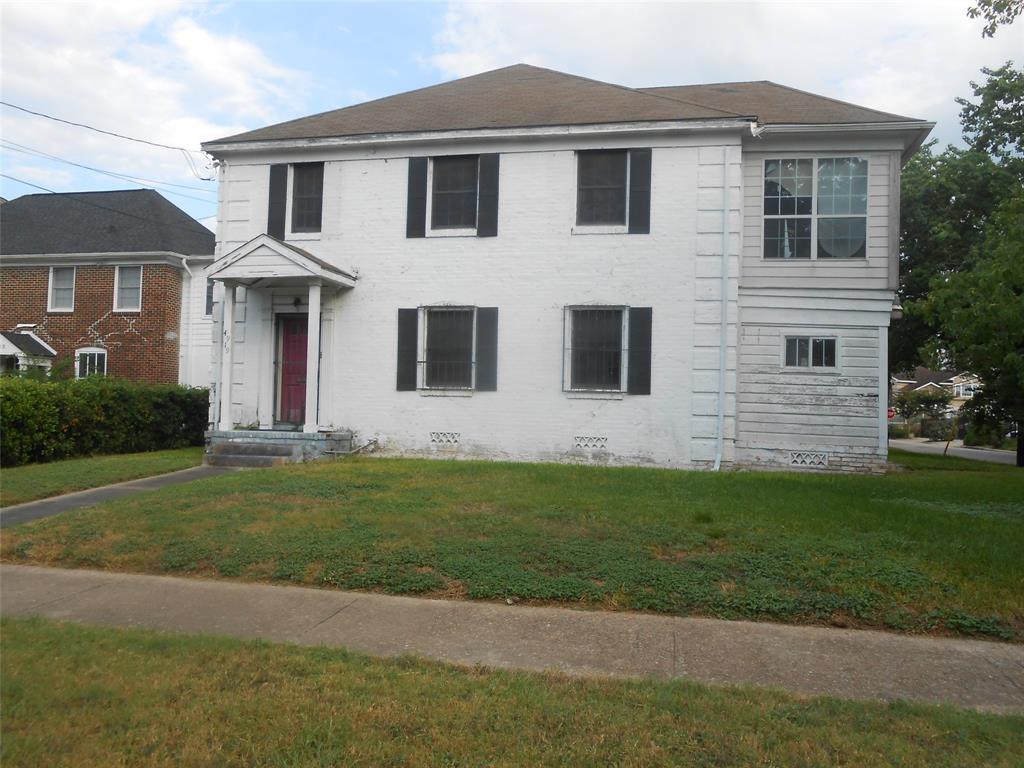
(448, 349)
(62, 289)
(128, 289)
(601, 192)
(454, 192)
(815, 208)
(307, 196)
(596, 348)
(810, 352)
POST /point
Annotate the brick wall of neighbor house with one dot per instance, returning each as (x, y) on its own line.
(142, 346)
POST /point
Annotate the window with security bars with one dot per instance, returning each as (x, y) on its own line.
(454, 192)
(448, 348)
(90, 361)
(307, 197)
(815, 208)
(128, 289)
(810, 352)
(596, 349)
(601, 186)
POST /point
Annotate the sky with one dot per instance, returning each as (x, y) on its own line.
(179, 73)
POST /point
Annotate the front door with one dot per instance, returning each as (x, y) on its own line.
(292, 388)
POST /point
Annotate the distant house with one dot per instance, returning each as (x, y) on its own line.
(961, 385)
(112, 282)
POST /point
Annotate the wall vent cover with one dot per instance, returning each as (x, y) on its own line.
(807, 459)
(590, 442)
(444, 438)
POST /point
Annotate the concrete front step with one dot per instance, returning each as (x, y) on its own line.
(252, 449)
(245, 460)
(267, 448)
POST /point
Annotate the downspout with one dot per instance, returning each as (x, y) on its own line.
(185, 344)
(724, 314)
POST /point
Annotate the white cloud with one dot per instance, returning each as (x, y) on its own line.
(910, 57)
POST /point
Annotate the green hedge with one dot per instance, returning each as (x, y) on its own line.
(48, 420)
(899, 431)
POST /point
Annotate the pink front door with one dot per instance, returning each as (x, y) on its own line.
(292, 398)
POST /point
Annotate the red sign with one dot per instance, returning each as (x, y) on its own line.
(892, 412)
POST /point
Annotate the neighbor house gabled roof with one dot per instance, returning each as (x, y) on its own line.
(124, 221)
(28, 343)
(524, 96)
(775, 104)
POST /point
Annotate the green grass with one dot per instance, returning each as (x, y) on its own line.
(935, 548)
(40, 481)
(85, 696)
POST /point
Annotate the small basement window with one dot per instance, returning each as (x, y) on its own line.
(810, 352)
(90, 361)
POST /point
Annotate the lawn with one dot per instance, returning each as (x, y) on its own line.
(87, 696)
(39, 481)
(935, 548)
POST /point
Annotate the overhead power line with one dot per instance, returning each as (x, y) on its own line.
(80, 199)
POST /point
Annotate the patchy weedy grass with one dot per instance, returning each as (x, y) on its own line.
(40, 481)
(83, 696)
(934, 548)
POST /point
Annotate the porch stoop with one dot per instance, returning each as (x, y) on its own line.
(268, 448)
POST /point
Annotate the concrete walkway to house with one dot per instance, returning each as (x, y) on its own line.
(852, 664)
(34, 510)
(956, 448)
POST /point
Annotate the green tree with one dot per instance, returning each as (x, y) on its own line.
(995, 13)
(995, 123)
(931, 403)
(980, 314)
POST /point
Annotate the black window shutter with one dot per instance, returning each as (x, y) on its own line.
(487, 209)
(487, 349)
(639, 191)
(416, 211)
(277, 207)
(408, 328)
(639, 351)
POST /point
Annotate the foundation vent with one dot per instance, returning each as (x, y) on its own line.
(444, 438)
(590, 442)
(807, 459)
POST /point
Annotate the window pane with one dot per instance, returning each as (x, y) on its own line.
(842, 185)
(798, 351)
(601, 187)
(823, 353)
(449, 348)
(787, 238)
(129, 287)
(596, 354)
(62, 288)
(209, 297)
(842, 238)
(454, 192)
(307, 196)
(791, 351)
(788, 188)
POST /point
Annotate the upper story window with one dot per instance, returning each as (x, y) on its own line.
(128, 289)
(608, 349)
(810, 352)
(613, 189)
(90, 361)
(62, 289)
(815, 208)
(307, 196)
(454, 192)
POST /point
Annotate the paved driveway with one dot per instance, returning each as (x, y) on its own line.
(957, 448)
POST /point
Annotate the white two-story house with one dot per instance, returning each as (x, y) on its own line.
(530, 265)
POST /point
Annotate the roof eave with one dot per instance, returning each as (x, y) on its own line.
(916, 130)
(103, 257)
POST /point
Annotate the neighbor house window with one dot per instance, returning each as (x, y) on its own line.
(454, 192)
(307, 196)
(601, 194)
(448, 348)
(90, 361)
(815, 208)
(810, 352)
(62, 289)
(209, 298)
(128, 289)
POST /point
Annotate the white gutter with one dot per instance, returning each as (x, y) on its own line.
(185, 321)
(724, 314)
(106, 257)
(921, 128)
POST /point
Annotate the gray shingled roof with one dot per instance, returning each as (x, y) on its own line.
(27, 344)
(124, 221)
(523, 96)
(777, 104)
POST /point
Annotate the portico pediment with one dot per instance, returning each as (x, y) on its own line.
(267, 260)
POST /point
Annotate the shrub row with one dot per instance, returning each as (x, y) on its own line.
(48, 420)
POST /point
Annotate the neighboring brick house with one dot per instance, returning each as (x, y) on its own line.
(529, 265)
(114, 282)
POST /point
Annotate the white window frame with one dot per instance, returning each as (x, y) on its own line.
(209, 287)
(814, 215)
(49, 290)
(91, 351)
(810, 367)
(449, 231)
(599, 229)
(117, 285)
(421, 353)
(567, 321)
(289, 234)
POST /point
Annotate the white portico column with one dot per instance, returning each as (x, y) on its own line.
(313, 359)
(227, 326)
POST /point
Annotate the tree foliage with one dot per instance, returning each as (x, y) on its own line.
(922, 402)
(995, 123)
(995, 13)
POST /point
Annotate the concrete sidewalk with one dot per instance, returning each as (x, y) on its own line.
(956, 448)
(34, 510)
(808, 660)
